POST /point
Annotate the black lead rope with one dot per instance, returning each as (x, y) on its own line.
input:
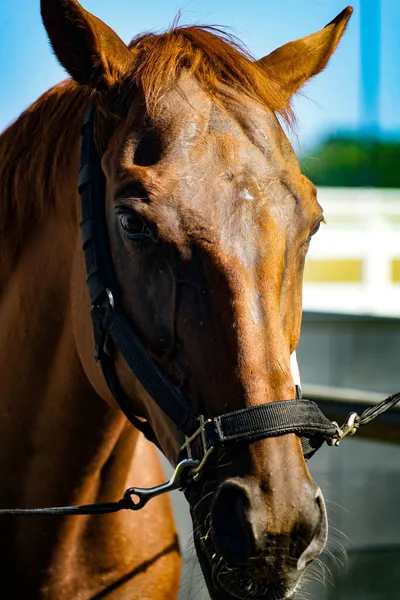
(225, 429)
(105, 508)
(373, 412)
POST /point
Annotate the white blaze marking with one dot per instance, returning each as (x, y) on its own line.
(294, 367)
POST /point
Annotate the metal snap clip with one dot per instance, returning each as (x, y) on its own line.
(349, 428)
(176, 481)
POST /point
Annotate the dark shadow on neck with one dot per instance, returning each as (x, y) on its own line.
(173, 547)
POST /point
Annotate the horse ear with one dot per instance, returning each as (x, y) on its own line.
(87, 48)
(294, 63)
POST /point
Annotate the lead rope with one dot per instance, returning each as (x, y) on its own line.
(133, 498)
(354, 421)
(188, 470)
(375, 411)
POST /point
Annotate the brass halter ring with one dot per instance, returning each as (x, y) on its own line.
(200, 432)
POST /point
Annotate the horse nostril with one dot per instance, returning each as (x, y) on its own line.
(318, 541)
(230, 525)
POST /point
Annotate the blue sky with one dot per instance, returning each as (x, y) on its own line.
(330, 102)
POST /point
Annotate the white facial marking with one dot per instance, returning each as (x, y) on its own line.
(190, 133)
(294, 367)
(245, 194)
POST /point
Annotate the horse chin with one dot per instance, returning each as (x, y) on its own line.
(227, 583)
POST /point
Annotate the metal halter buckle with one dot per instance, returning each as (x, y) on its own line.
(110, 297)
(349, 428)
(106, 299)
(187, 446)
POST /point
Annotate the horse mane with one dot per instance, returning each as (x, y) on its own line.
(35, 150)
(35, 154)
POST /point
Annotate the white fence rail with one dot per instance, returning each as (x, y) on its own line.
(353, 264)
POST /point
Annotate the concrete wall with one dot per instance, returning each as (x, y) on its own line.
(350, 351)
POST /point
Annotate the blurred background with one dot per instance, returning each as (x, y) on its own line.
(348, 143)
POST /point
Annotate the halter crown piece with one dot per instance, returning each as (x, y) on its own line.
(202, 436)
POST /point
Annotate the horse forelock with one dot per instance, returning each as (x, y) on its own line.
(209, 53)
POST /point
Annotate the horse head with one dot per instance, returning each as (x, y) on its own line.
(209, 220)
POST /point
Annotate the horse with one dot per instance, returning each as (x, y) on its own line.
(209, 219)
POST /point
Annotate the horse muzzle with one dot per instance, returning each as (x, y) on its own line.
(242, 556)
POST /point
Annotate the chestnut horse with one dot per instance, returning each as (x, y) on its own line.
(209, 221)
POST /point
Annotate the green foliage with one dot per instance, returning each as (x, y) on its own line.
(345, 160)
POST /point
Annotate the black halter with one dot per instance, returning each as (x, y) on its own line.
(301, 417)
(202, 435)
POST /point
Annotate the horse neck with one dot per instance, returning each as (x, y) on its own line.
(56, 434)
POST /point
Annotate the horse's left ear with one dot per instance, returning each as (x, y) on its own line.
(294, 63)
(87, 48)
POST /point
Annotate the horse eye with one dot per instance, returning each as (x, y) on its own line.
(134, 227)
(314, 231)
